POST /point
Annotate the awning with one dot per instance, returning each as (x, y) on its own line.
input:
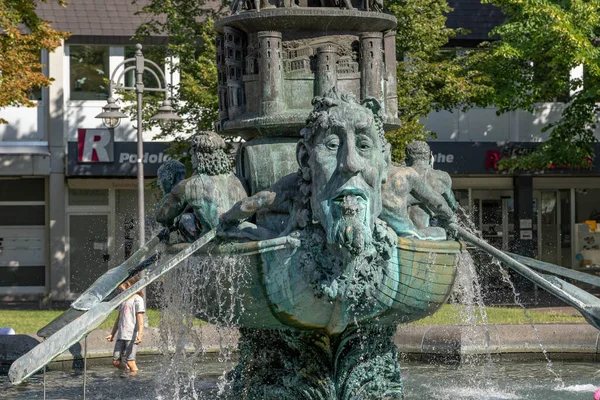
(24, 158)
(21, 148)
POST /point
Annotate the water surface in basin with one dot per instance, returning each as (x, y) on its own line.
(502, 380)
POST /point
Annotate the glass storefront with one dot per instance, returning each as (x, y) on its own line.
(102, 229)
(22, 236)
(493, 214)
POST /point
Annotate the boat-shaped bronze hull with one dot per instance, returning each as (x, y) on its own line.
(269, 290)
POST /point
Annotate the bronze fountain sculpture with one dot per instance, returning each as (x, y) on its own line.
(336, 240)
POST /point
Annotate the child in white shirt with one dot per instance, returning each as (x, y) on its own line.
(130, 327)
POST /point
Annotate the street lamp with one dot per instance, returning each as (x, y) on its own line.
(111, 115)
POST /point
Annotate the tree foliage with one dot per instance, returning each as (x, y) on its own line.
(430, 76)
(541, 41)
(189, 26)
(23, 36)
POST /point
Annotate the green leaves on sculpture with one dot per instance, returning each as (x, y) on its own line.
(23, 36)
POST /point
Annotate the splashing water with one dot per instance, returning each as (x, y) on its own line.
(467, 280)
(207, 287)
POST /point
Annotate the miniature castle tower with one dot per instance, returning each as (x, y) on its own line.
(391, 89)
(222, 77)
(270, 71)
(326, 77)
(371, 65)
(234, 63)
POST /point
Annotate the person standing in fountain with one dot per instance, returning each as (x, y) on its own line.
(128, 328)
(213, 189)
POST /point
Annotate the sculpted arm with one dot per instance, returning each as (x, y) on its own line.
(248, 207)
(448, 193)
(171, 206)
(276, 199)
(432, 200)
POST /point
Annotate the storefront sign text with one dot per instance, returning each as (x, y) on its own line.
(95, 145)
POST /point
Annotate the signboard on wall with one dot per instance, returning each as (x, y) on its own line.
(121, 161)
(95, 145)
(478, 158)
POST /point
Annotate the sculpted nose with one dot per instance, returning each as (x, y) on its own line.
(351, 162)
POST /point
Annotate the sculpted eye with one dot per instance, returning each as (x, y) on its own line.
(332, 143)
(364, 143)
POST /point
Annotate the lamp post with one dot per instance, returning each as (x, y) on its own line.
(111, 114)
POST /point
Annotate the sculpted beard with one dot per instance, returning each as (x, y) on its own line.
(348, 223)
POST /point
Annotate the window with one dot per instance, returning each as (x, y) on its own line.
(27, 215)
(89, 71)
(22, 190)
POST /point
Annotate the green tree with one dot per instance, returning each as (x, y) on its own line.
(431, 77)
(23, 36)
(189, 26)
(541, 41)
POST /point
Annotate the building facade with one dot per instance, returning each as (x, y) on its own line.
(68, 194)
(532, 214)
(67, 185)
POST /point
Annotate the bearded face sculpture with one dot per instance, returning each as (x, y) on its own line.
(345, 157)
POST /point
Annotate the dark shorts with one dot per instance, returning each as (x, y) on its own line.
(125, 350)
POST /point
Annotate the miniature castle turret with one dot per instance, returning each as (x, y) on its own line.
(326, 78)
(371, 65)
(234, 62)
(270, 71)
(222, 77)
(391, 83)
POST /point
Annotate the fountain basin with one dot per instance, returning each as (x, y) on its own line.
(307, 18)
(274, 292)
(424, 381)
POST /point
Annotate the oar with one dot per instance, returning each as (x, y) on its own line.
(101, 288)
(66, 337)
(108, 282)
(557, 270)
(72, 314)
(585, 303)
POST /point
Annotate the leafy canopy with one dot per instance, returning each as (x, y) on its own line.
(541, 41)
(189, 26)
(430, 76)
(23, 36)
